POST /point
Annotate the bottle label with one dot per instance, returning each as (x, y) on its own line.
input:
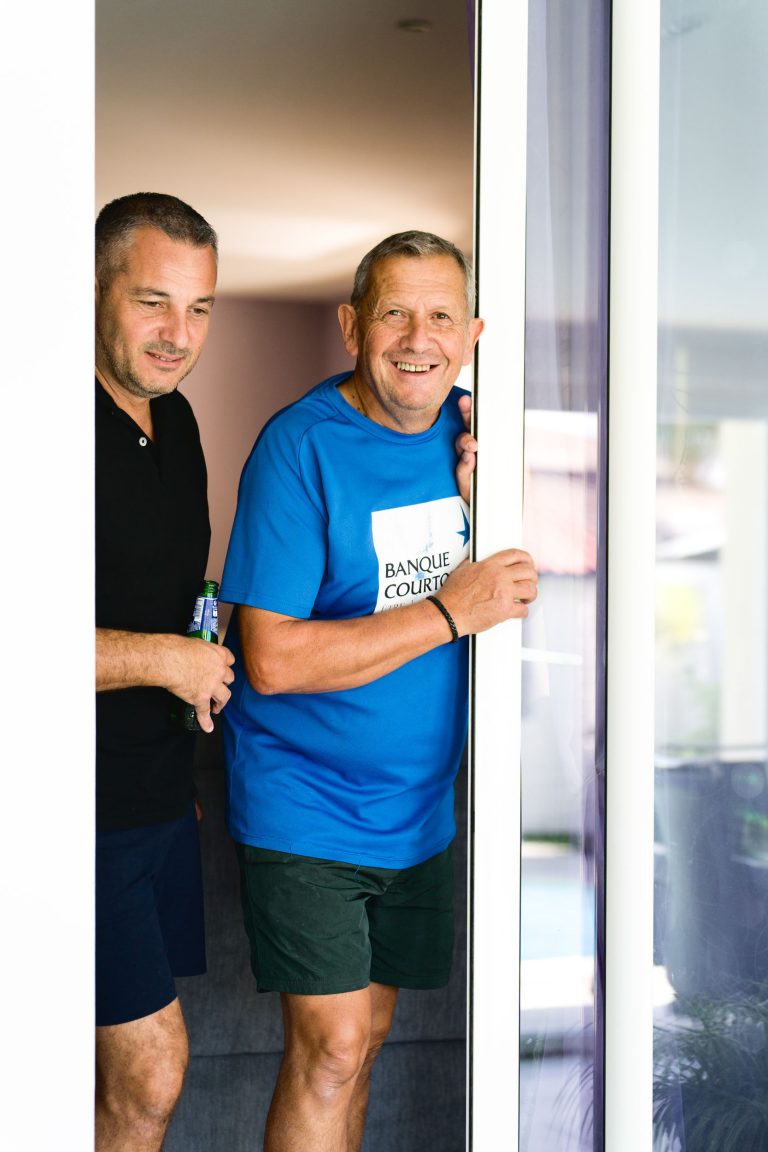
(205, 624)
(205, 618)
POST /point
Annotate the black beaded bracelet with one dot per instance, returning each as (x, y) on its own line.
(439, 604)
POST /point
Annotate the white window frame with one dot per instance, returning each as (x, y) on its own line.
(502, 80)
(632, 388)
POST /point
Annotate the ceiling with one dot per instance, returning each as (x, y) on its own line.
(304, 131)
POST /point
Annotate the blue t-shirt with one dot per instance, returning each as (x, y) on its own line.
(340, 517)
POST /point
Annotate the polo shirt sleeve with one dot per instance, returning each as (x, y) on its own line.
(277, 551)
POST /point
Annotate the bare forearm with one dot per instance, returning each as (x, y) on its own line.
(131, 659)
(284, 654)
(190, 668)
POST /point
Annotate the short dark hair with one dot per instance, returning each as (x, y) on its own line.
(411, 244)
(117, 221)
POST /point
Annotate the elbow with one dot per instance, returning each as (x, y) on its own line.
(264, 676)
(271, 661)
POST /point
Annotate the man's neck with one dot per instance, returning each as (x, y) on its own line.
(137, 407)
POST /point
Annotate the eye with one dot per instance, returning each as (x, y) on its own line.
(199, 311)
(440, 316)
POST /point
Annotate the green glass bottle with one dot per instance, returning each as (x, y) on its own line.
(205, 624)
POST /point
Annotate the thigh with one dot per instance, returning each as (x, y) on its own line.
(411, 926)
(321, 1022)
(306, 922)
(129, 1054)
(148, 925)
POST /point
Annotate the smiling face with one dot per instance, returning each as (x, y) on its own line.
(411, 337)
(152, 317)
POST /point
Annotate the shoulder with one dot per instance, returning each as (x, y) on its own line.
(105, 407)
(456, 392)
(175, 406)
(173, 418)
(451, 413)
(316, 411)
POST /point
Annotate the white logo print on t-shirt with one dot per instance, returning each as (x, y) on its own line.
(417, 547)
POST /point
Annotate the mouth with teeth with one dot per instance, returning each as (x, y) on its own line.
(166, 357)
(406, 366)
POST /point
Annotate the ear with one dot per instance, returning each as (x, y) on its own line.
(349, 328)
(474, 328)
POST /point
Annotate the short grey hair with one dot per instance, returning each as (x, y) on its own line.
(118, 220)
(411, 244)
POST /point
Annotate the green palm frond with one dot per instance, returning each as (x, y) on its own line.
(710, 1084)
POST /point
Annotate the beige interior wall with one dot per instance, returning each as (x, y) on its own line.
(260, 355)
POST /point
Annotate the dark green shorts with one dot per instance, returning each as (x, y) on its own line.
(318, 927)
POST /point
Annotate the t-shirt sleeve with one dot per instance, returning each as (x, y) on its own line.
(277, 550)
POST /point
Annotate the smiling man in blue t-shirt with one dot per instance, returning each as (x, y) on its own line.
(349, 565)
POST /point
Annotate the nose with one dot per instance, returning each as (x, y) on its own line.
(174, 328)
(416, 337)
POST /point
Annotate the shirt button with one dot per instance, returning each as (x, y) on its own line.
(143, 441)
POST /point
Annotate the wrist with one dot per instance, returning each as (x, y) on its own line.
(446, 616)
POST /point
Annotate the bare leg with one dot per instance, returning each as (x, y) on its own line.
(326, 1046)
(383, 1001)
(140, 1070)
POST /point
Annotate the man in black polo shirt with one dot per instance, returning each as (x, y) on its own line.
(155, 280)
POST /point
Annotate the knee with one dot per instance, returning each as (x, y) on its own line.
(158, 1091)
(380, 1029)
(334, 1059)
(375, 1044)
(381, 1024)
(144, 1097)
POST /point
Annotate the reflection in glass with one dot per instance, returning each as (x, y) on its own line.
(711, 795)
(561, 756)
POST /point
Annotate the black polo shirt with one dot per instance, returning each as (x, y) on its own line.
(152, 537)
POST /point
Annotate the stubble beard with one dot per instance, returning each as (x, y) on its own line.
(122, 371)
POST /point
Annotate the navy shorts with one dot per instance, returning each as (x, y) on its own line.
(149, 917)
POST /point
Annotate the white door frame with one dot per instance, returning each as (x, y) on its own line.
(632, 385)
(502, 77)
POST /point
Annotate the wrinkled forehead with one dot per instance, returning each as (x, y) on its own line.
(438, 277)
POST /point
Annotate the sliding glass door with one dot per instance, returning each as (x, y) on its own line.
(710, 1082)
(562, 740)
(620, 758)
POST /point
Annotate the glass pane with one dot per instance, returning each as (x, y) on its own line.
(711, 794)
(562, 857)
